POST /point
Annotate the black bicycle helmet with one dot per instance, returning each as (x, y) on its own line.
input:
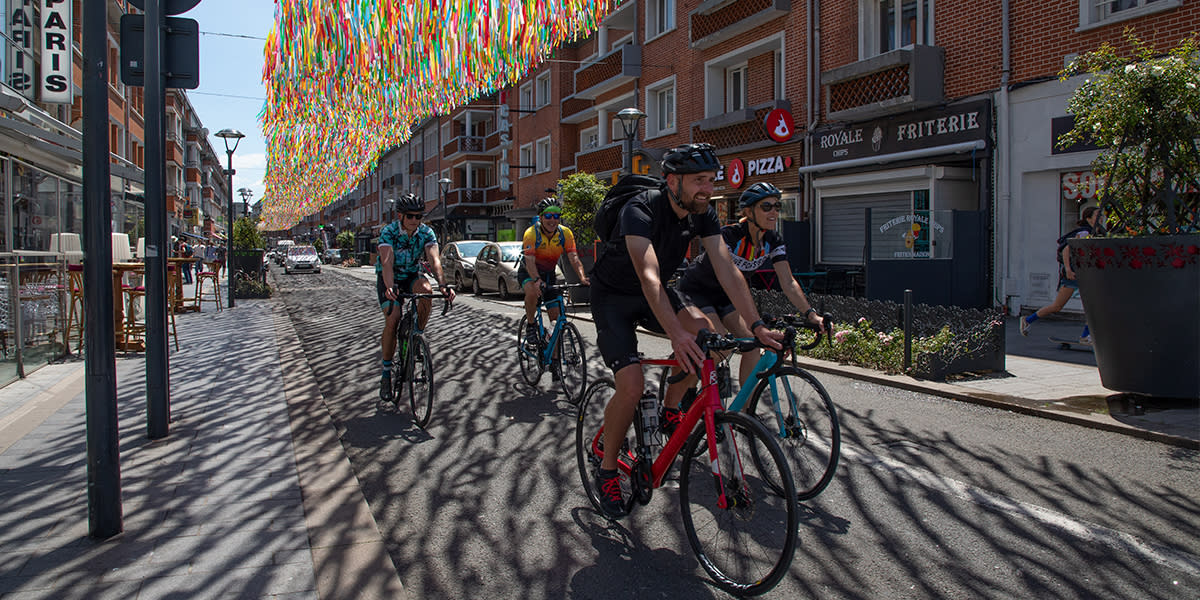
(547, 203)
(691, 158)
(758, 191)
(410, 203)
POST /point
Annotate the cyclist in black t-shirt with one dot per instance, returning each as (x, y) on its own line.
(650, 241)
(752, 243)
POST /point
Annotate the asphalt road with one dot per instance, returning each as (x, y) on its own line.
(933, 498)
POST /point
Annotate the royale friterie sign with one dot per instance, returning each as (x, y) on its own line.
(966, 122)
(55, 38)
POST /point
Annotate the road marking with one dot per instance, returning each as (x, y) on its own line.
(1088, 532)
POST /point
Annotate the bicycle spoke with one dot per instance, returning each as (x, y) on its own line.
(797, 410)
(572, 364)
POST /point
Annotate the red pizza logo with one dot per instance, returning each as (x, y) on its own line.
(780, 126)
(737, 173)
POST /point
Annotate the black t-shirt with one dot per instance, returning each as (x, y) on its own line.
(650, 216)
(747, 258)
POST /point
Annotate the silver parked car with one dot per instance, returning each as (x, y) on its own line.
(302, 259)
(458, 260)
(496, 269)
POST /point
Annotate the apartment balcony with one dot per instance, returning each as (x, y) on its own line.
(600, 159)
(898, 81)
(739, 130)
(576, 109)
(464, 197)
(620, 66)
(192, 176)
(463, 144)
(173, 153)
(715, 21)
(497, 142)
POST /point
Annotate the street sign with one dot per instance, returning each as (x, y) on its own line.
(181, 52)
(169, 7)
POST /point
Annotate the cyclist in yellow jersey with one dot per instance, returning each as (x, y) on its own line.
(542, 245)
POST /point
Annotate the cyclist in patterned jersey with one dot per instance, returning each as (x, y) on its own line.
(402, 244)
(541, 247)
(753, 243)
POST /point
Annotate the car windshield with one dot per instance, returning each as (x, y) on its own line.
(302, 251)
(470, 249)
(510, 251)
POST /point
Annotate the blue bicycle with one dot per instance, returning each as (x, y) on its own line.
(562, 352)
(792, 404)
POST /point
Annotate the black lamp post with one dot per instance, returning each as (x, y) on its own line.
(391, 210)
(629, 123)
(236, 136)
(445, 185)
(246, 194)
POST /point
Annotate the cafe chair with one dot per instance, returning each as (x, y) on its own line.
(214, 288)
(75, 308)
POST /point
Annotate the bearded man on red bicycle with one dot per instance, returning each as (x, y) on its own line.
(402, 244)
(650, 241)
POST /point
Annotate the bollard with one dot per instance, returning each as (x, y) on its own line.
(907, 330)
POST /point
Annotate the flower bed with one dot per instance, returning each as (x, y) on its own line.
(869, 333)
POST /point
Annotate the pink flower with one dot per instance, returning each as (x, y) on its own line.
(840, 336)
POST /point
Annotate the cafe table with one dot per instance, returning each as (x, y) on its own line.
(119, 270)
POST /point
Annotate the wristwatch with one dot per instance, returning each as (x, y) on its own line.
(755, 325)
(810, 311)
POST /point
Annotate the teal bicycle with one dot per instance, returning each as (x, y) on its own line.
(792, 404)
(562, 352)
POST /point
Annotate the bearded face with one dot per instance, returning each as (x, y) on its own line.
(693, 190)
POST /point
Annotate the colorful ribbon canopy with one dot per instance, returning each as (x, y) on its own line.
(346, 79)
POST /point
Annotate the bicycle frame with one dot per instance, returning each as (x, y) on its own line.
(546, 356)
(707, 404)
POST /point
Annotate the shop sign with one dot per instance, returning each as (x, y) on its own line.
(20, 52)
(739, 170)
(779, 124)
(1080, 186)
(56, 52)
(952, 124)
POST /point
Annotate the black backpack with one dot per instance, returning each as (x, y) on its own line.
(609, 211)
(1070, 235)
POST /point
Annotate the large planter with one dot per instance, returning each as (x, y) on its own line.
(249, 261)
(1141, 297)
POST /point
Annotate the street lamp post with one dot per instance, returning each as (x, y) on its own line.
(629, 123)
(226, 135)
(391, 210)
(444, 183)
(246, 194)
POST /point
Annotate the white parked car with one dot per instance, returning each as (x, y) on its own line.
(302, 259)
(496, 269)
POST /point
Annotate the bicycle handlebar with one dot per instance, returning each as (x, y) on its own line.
(406, 295)
(797, 321)
(561, 287)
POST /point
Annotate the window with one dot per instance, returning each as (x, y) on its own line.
(1094, 13)
(526, 97)
(660, 108)
(727, 78)
(589, 139)
(526, 160)
(735, 88)
(892, 24)
(660, 17)
(543, 89)
(543, 155)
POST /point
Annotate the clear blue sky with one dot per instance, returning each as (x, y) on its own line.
(231, 92)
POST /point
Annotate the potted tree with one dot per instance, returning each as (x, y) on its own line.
(1140, 283)
(581, 194)
(345, 241)
(248, 249)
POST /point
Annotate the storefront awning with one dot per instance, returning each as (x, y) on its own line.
(958, 148)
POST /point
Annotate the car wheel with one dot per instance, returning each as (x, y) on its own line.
(475, 289)
(502, 288)
(458, 279)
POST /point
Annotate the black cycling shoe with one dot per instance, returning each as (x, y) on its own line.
(532, 337)
(608, 484)
(669, 421)
(385, 388)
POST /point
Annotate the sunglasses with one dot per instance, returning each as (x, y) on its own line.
(412, 216)
(551, 215)
(770, 206)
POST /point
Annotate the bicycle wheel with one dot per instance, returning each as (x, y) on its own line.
(806, 426)
(589, 445)
(572, 363)
(529, 355)
(747, 546)
(420, 381)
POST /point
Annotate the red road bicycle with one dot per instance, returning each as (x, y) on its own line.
(737, 499)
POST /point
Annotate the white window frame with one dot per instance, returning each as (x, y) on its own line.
(526, 98)
(543, 93)
(1096, 13)
(715, 96)
(525, 157)
(588, 134)
(543, 155)
(660, 18)
(870, 25)
(737, 98)
(654, 126)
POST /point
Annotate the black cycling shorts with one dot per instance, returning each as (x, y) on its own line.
(617, 317)
(548, 277)
(707, 300)
(404, 285)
